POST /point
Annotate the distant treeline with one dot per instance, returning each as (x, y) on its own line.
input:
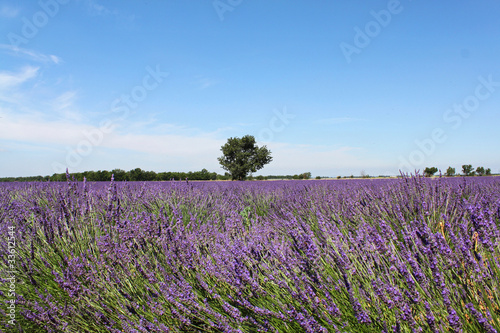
(120, 175)
(305, 175)
(142, 175)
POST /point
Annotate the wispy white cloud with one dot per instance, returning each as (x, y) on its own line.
(177, 129)
(34, 129)
(63, 136)
(29, 128)
(168, 144)
(27, 91)
(319, 159)
(12, 79)
(8, 11)
(64, 105)
(245, 124)
(29, 54)
(177, 148)
(340, 120)
(16, 88)
(64, 100)
(55, 59)
(16, 147)
(96, 9)
(231, 129)
(204, 83)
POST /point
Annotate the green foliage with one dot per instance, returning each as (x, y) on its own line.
(25, 179)
(467, 169)
(121, 175)
(430, 171)
(306, 175)
(480, 171)
(242, 156)
(488, 172)
(450, 172)
(226, 176)
(245, 214)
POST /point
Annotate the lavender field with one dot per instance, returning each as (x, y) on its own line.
(405, 255)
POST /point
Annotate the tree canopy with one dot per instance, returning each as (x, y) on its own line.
(430, 171)
(242, 156)
(467, 169)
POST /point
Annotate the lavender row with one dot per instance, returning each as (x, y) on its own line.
(413, 254)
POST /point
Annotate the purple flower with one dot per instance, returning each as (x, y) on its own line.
(480, 319)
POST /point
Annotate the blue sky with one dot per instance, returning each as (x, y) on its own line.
(334, 88)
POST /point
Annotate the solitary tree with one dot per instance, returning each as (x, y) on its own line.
(467, 169)
(480, 170)
(487, 172)
(430, 171)
(450, 172)
(241, 156)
